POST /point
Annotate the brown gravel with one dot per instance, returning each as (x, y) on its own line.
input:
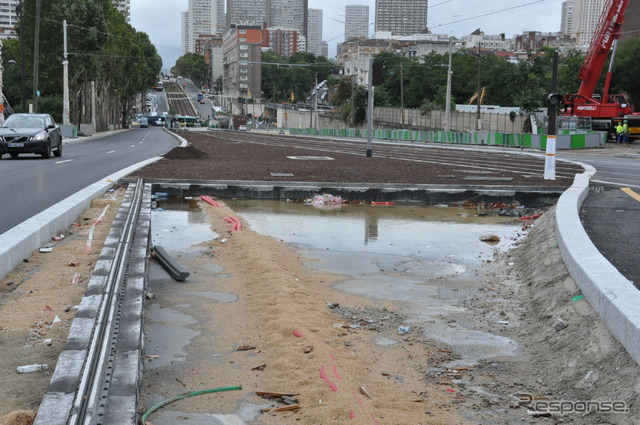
(222, 155)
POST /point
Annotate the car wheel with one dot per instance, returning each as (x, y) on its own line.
(13, 155)
(47, 153)
(58, 152)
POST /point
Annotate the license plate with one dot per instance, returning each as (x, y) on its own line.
(16, 145)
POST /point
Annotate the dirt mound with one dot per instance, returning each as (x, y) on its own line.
(576, 357)
(190, 152)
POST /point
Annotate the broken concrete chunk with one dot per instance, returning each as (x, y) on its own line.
(559, 325)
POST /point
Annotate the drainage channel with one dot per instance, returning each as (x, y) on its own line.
(98, 374)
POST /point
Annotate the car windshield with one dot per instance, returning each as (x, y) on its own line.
(20, 121)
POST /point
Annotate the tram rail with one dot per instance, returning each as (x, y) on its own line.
(98, 374)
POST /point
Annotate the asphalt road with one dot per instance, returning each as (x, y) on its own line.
(30, 184)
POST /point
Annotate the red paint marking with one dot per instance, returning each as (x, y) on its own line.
(298, 334)
(332, 357)
(374, 420)
(352, 415)
(450, 390)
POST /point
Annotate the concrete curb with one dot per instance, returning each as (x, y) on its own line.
(19, 242)
(611, 294)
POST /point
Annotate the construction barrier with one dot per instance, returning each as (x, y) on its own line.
(534, 141)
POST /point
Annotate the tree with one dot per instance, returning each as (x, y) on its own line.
(103, 49)
(192, 65)
(625, 69)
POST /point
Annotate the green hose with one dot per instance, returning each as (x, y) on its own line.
(143, 420)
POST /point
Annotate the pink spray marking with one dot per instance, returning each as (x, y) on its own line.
(325, 378)
(352, 415)
(374, 420)
(298, 334)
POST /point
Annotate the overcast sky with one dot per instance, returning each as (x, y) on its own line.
(161, 19)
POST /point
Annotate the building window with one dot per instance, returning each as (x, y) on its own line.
(244, 47)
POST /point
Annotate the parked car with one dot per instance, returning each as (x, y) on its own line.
(242, 128)
(30, 133)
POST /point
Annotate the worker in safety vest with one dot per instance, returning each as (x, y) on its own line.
(619, 130)
(625, 133)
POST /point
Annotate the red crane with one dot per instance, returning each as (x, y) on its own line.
(586, 103)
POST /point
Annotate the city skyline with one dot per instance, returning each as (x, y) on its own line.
(161, 19)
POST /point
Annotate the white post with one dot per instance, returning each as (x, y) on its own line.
(65, 79)
(550, 158)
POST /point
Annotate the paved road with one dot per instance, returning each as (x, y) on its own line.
(29, 184)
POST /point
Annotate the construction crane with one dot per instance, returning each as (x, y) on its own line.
(602, 108)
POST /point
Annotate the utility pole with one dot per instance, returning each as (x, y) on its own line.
(447, 114)
(36, 58)
(550, 157)
(370, 110)
(401, 94)
(65, 79)
(23, 84)
(478, 122)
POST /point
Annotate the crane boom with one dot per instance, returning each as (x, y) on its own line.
(601, 108)
(607, 31)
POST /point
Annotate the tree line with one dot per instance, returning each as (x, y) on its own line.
(102, 49)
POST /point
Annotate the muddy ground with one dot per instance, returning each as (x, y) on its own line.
(527, 289)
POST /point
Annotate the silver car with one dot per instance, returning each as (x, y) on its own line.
(30, 133)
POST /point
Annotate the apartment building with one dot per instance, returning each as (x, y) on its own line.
(401, 17)
(356, 22)
(242, 56)
(314, 34)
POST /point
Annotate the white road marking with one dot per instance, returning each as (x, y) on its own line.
(63, 161)
(111, 152)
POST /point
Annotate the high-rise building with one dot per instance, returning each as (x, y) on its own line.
(289, 14)
(124, 6)
(586, 15)
(356, 21)
(8, 18)
(247, 12)
(242, 50)
(204, 18)
(401, 17)
(314, 37)
(566, 22)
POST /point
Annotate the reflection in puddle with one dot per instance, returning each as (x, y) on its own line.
(429, 258)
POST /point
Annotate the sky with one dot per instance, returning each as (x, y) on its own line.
(161, 19)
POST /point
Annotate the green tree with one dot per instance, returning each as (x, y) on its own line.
(625, 69)
(193, 66)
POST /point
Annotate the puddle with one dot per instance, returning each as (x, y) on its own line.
(429, 258)
(169, 336)
(169, 225)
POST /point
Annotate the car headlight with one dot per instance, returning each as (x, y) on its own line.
(40, 136)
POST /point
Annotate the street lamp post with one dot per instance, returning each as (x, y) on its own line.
(23, 85)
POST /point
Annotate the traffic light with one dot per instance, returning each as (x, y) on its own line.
(378, 68)
(553, 99)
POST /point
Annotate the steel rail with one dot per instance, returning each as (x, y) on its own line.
(89, 403)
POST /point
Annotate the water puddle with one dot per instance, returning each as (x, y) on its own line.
(429, 258)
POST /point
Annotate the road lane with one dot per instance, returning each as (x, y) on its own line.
(29, 184)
